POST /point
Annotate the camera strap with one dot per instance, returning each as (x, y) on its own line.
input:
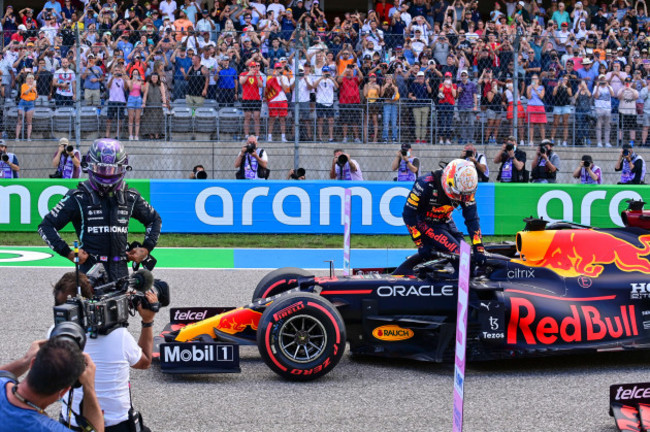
(82, 424)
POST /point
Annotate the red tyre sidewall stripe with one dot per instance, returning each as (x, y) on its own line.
(269, 289)
(267, 338)
(331, 317)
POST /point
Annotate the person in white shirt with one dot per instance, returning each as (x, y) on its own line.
(325, 87)
(277, 8)
(64, 83)
(305, 86)
(167, 8)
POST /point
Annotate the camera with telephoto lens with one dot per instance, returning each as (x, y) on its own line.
(542, 150)
(342, 160)
(404, 152)
(586, 164)
(69, 149)
(250, 148)
(300, 172)
(468, 154)
(112, 302)
(5, 157)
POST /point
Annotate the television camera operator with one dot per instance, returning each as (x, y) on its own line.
(101, 207)
(54, 366)
(113, 353)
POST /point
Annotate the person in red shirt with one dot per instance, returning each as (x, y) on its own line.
(251, 83)
(447, 93)
(350, 100)
(276, 96)
(382, 8)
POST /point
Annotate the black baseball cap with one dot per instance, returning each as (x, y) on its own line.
(406, 146)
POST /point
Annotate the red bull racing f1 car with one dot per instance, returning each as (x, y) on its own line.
(559, 288)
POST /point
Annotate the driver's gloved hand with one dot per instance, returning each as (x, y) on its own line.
(479, 257)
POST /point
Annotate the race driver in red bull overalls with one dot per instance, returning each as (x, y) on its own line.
(428, 209)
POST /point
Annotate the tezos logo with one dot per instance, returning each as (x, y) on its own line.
(189, 354)
(392, 333)
(190, 315)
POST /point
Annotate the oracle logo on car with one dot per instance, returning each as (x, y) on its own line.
(392, 333)
(584, 323)
(413, 290)
(190, 315)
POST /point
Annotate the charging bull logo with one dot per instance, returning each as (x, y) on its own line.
(584, 323)
(237, 320)
(572, 257)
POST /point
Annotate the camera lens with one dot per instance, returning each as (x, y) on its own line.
(404, 152)
(509, 147)
(69, 149)
(250, 148)
(542, 150)
(5, 157)
(342, 160)
(201, 175)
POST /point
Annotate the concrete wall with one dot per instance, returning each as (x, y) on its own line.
(175, 159)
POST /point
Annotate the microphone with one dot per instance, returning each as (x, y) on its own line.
(141, 281)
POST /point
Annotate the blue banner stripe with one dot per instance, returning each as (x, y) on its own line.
(291, 207)
(318, 258)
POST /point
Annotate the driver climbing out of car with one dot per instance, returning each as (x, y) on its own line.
(428, 209)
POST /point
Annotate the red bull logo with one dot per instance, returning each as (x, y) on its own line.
(584, 323)
(237, 320)
(573, 253)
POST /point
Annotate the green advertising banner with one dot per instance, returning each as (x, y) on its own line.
(24, 202)
(597, 205)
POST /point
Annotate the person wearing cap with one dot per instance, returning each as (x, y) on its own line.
(275, 93)
(10, 167)
(182, 64)
(603, 98)
(92, 76)
(226, 82)
(631, 165)
(420, 101)
(588, 172)
(583, 119)
(350, 108)
(406, 165)
(447, 95)
(627, 97)
(325, 87)
(67, 163)
(546, 164)
(513, 163)
(467, 106)
(251, 82)
(344, 167)
(206, 24)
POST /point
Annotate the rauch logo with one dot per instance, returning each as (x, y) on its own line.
(392, 333)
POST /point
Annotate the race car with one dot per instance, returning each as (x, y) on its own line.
(559, 288)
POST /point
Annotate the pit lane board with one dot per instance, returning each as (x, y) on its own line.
(217, 258)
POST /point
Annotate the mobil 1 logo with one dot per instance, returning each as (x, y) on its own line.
(199, 357)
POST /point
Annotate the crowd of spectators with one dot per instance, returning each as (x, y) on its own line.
(426, 65)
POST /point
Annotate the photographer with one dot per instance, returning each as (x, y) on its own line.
(631, 165)
(101, 207)
(67, 161)
(406, 165)
(8, 162)
(587, 172)
(252, 162)
(478, 159)
(513, 163)
(198, 172)
(113, 354)
(54, 366)
(546, 165)
(344, 167)
(298, 174)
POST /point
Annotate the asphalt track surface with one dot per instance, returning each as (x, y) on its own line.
(550, 394)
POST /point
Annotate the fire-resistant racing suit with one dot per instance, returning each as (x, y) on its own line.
(102, 226)
(427, 215)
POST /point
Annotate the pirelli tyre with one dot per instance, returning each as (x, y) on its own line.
(301, 336)
(278, 281)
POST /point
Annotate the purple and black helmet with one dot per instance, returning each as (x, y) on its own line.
(107, 164)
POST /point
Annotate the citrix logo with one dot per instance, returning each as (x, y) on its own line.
(521, 273)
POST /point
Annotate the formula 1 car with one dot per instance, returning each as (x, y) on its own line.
(560, 288)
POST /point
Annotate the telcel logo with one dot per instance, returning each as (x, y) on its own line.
(392, 333)
(632, 393)
(190, 315)
(189, 354)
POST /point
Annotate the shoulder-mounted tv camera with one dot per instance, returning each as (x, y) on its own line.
(113, 302)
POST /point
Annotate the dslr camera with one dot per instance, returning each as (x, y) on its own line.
(468, 154)
(342, 160)
(505, 155)
(250, 148)
(300, 172)
(5, 157)
(113, 302)
(542, 150)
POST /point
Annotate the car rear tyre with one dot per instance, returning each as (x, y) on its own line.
(278, 281)
(301, 336)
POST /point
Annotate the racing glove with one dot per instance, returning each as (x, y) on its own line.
(416, 236)
(479, 255)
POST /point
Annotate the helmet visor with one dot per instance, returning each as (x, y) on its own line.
(107, 170)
